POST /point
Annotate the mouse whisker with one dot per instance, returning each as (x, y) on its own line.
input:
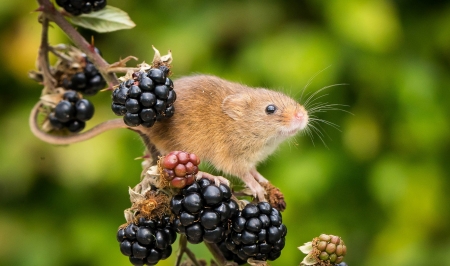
(313, 103)
(324, 107)
(331, 124)
(307, 131)
(310, 81)
(311, 97)
(319, 134)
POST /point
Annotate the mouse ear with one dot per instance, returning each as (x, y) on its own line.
(236, 105)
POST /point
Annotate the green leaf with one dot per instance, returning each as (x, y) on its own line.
(106, 20)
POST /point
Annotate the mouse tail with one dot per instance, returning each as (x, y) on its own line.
(65, 140)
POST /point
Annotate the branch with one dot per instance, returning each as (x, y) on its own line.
(217, 254)
(49, 12)
(183, 249)
(43, 62)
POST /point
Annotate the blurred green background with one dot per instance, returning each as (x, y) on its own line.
(381, 183)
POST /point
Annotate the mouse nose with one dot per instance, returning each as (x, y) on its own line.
(302, 118)
(299, 115)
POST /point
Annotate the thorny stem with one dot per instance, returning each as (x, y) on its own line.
(50, 13)
(192, 257)
(217, 254)
(215, 251)
(183, 249)
(43, 62)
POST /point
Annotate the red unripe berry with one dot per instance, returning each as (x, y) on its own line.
(194, 159)
(178, 182)
(180, 170)
(190, 167)
(168, 174)
(170, 161)
(183, 157)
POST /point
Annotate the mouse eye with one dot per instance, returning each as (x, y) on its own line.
(270, 109)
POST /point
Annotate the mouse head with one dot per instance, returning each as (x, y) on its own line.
(266, 113)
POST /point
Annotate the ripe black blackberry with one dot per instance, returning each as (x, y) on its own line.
(148, 241)
(78, 7)
(146, 98)
(203, 211)
(257, 232)
(72, 112)
(88, 80)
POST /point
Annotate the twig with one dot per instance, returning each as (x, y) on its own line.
(181, 246)
(217, 254)
(192, 257)
(184, 249)
(122, 69)
(49, 12)
(60, 55)
(43, 62)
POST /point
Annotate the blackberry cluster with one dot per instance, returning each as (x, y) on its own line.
(88, 81)
(204, 211)
(147, 242)
(146, 98)
(71, 113)
(77, 7)
(257, 232)
(180, 168)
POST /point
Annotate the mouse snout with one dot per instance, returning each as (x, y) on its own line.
(301, 118)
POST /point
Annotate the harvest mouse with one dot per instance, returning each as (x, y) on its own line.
(230, 125)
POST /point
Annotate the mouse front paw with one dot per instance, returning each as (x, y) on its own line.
(216, 179)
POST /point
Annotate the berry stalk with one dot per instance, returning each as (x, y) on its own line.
(43, 62)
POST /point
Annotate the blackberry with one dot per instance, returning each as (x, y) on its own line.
(203, 212)
(148, 241)
(179, 168)
(257, 232)
(88, 80)
(78, 7)
(145, 98)
(71, 113)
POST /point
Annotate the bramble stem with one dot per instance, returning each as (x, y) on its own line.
(43, 62)
(217, 254)
(183, 249)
